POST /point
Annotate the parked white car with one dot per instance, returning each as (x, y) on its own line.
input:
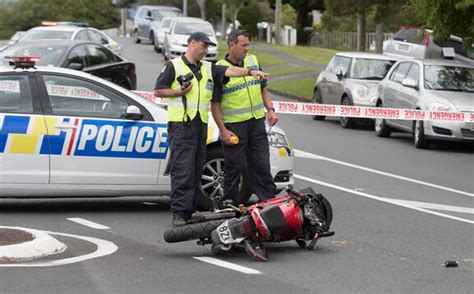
(176, 41)
(65, 133)
(419, 43)
(428, 84)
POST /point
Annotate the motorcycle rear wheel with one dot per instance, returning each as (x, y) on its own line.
(192, 231)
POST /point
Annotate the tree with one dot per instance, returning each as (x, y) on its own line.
(349, 7)
(234, 7)
(202, 7)
(250, 15)
(303, 8)
(29, 13)
(446, 17)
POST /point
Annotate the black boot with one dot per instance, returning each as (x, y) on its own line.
(178, 220)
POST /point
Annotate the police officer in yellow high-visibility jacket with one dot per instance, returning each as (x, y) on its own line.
(188, 106)
(241, 112)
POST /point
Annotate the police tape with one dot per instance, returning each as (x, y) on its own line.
(352, 111)
(285, 107)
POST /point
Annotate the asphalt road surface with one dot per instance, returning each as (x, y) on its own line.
(399, 214)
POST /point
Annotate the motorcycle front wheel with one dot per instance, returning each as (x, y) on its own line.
(192, 231)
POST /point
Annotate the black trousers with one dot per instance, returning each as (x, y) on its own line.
(187, 156)
(252, 153)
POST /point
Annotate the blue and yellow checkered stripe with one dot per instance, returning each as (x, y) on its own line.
(27, 134)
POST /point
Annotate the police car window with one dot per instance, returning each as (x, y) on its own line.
(99, 55)
(400, 72)
(15, 96)
(77, 55)
(82, 35)
(73, 97)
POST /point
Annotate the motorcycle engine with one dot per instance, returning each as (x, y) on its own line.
(313, 211)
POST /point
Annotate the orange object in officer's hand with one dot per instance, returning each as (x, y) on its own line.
(234, 140)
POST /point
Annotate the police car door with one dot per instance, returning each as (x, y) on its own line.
(24, 154)
(92, 143)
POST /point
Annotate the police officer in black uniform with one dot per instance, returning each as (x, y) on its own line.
(188, 106)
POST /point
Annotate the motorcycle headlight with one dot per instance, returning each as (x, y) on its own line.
(436, 106)
(277, 140)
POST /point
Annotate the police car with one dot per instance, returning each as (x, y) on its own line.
(66, 133)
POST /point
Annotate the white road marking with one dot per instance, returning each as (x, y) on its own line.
(304, 154)
(150, 203)
(434, 206)
(87, 223)
(386, 200)
(103, 248)
(229, 265)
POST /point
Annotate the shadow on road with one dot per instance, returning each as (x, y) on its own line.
(109, 204)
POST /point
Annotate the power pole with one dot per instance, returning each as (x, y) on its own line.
(185, 7)
(223, 18)
(277, 21)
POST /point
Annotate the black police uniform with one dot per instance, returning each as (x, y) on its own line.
(187, 141)
(252, 153)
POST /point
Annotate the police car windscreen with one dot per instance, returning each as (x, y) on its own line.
(49, 55)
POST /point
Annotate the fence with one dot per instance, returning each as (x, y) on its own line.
(344, 40)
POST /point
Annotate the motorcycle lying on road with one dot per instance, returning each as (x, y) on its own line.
(304, 216)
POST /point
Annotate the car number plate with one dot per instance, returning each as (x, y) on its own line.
(403, 47)
(224, 233)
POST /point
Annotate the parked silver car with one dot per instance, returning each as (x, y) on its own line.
(160, 29)
(428, 84)
(351, 78)
(149, 17)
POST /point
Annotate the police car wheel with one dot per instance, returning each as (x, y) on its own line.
(212, 180)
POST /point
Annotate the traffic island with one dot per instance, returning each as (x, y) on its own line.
(21, 244)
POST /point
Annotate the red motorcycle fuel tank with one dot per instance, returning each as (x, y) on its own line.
(292, 214)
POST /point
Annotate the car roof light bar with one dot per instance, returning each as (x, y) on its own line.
(23, 61)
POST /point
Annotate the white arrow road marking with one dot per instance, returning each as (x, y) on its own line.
(434, 206)
(103, 248)
(229, 265)
(386, 200)
(87, 223)
(304, 154)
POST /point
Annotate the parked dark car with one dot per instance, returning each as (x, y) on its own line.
(86, 56)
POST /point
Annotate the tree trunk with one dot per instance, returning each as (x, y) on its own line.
(302, 21)
(202, 7)
(361, 30)
(379, 38)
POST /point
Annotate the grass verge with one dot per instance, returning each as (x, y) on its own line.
(301, 88)
(287, 70)
(311, 54)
